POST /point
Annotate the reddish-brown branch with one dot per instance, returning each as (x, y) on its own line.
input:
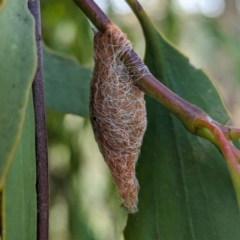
(194, 119)
(182, 109)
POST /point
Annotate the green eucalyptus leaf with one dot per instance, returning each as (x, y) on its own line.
(66, 84)
(17, 68)
(19, 208)
(186, 192)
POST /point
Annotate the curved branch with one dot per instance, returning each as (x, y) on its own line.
(193, 118)
(183, 110)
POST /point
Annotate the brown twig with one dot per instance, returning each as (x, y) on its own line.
(40, 132)
(185, 111)
(194, 119)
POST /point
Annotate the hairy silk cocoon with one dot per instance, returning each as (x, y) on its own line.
(117, 111)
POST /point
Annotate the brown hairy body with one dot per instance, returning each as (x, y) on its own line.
(117, 112)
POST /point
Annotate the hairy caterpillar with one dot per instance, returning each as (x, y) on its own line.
(117, 111)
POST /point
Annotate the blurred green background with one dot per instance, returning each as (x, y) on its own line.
(84, 201)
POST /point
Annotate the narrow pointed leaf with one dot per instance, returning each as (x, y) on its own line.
(19, 192)
(17, 68)
(185, 189)
(66, 84)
